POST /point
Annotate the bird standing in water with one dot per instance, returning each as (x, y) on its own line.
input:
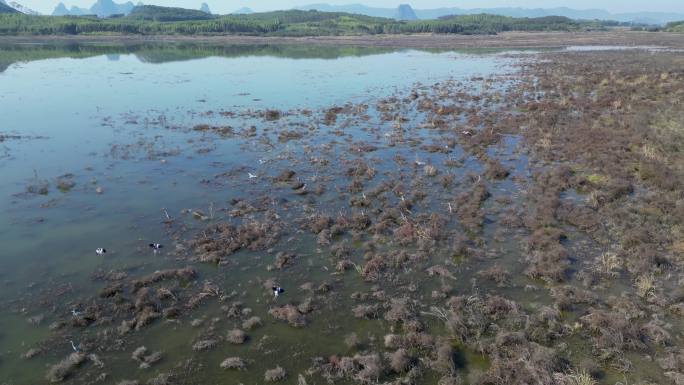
(277, 290)
(73, 346)
(100, 251)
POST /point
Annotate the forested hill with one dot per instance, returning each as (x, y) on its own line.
(677, 26)
(152, 20)
(6, 9)
(156, 13)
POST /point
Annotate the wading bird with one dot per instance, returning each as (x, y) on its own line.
(100, 251)
(277, 290)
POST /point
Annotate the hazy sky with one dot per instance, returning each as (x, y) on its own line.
(226, 6)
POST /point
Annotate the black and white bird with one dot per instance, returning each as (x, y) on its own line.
(73, 346)
(100, 251)
(277, 290)
(156, 246)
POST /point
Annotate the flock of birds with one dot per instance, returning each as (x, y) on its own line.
(153, 246)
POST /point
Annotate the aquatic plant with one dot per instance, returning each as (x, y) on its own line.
(274, 375)
(65, 368)
(236, 336)
(235, 363)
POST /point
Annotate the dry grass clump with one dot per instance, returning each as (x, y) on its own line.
(204, 345)
(609, 264)
(369, 368)
(184, 274)
(289, 313)
(234, 363)
(146, 360)
(546, 255)
(271, 115)
(65, 183)
(613, 334)
(579, 377)
(468, 206)
(517, 361)
(430, 170)
(366, 311)
(163, 379)
(223, 239)
(496, 274)
(65, 368)
(38, 189)
(252, 323)
(468, 318)
(445, 359)
(393, 341)
(236, 337)
(352, 341)
(400, 311)
(567, 297)
(400, 361)
(275, 375)
(645, 285)
(495, 170)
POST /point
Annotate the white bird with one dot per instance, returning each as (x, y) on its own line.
(156, 246)
(277, 290)
(73, 346)
(252, 176)
(75, 312)
(100, 251)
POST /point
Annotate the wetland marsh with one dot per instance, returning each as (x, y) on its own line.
(433, 216)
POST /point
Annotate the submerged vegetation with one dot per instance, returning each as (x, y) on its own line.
(522, 228)
(153, 20)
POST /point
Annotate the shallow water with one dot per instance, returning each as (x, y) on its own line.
(121, 122)
(118, 119)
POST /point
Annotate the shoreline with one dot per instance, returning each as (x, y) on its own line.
(503, 40)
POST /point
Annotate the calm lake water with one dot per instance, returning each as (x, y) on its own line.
(114, 125)
(74, 109)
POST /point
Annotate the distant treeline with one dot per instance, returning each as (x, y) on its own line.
(151, 20)
(677, 26)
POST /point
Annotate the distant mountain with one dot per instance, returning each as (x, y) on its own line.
(358, 9)
(4, 8)
(19, 8)
(579, 14)
(157, 13)
(77, 11)
(243, 11)
(405, 12)
(205, 8)
(102, 8)
(60, 10)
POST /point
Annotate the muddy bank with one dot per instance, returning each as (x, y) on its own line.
(503, 40)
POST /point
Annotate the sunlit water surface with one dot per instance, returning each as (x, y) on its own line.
(118, 120)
